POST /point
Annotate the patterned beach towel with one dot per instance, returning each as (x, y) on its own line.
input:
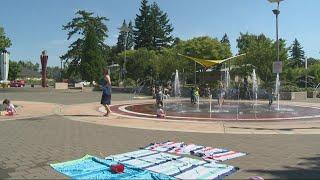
(164, 147)
(217, 154)
(206, 153)
(175, 166)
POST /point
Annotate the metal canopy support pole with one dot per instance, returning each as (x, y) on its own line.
(195, 73)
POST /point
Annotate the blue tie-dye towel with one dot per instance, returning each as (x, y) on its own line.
(90, 167)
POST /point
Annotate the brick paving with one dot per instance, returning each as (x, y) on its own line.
(28, 147)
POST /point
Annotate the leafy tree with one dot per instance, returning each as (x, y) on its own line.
(14, 70)
(54, 72)
(296, 54)
(201, 47)
(124, 36)
(312, 61)
(153, 29)
(140, 64)
(260, 54)
(314, 70)
(29, 65)
(4, 41)
(205, 47)
(85, 55)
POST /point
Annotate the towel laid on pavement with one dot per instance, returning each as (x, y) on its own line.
(206, 153)
(90, 167)
(173, 165)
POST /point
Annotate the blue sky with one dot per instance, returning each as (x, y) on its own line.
(34, 25)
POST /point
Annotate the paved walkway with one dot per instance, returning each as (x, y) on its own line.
(45, 133)
(28, 146)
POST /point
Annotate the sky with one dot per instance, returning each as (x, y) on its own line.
(35, 25)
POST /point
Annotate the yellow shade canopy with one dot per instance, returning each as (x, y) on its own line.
(207, 63)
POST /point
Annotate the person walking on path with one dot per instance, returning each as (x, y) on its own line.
(106, 91)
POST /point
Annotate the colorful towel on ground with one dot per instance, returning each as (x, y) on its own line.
(207, 153)
(173, 165)
(90, 167)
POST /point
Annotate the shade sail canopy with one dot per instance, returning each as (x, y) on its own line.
(207, 63)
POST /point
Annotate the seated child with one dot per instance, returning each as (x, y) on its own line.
(160, 112)
(9, 107)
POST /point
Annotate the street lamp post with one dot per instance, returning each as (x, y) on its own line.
(277, 12)
(126, 29)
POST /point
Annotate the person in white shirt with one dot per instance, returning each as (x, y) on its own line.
(9, 106)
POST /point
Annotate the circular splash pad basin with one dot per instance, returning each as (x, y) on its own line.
(232, 110)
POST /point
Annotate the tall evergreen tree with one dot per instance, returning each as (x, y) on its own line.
(85, 55)
(123, 36)
(153, 29)
(142, 26)
(296, 54)
(160, 27)
(130, 38)
(225, 39)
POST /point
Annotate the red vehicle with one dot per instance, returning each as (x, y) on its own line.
(17, 83)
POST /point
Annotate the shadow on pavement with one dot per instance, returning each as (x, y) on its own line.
(281, 129)
(307, 168)
(83, 115)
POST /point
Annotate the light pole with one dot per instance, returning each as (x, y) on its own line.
(277, 12)
(126, 29)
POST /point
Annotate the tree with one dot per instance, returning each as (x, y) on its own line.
(140, 64)
(86, 54)
(312, 61)
(296, 54)
(225, 39)
(14, 70)
(142, 26)
(153, 29)
(160, 28)
(202, 47)
(205, 47)
(54, 72)
(91, 63)
(130, 38)
(260, 54)
(124, 36)
(4, 41)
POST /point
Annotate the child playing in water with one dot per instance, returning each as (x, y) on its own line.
(10, 109)
(160, 112)
(192, 95)
(196, 95)
(270, 96)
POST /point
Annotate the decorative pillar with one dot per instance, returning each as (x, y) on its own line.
(44, 61)
(4, 62)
